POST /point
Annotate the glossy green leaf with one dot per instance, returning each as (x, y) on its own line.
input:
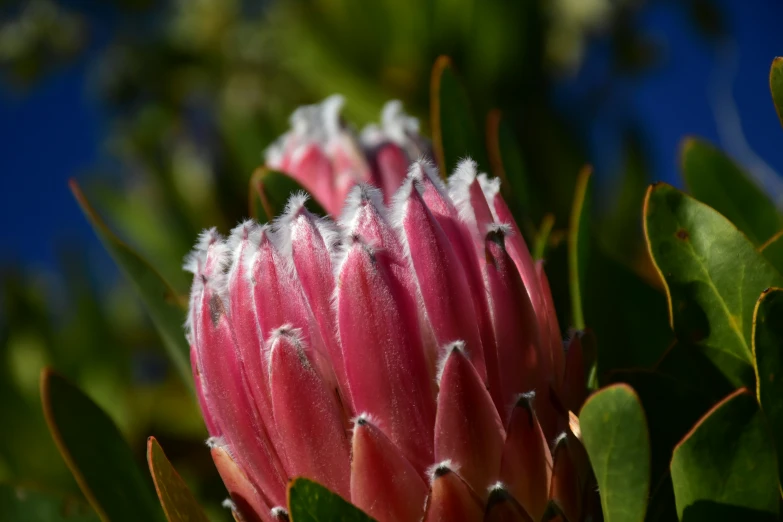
(309, 501)
(269, 193)
(714, 179)
(579, 244)
(768, 357)
(712, 275)
(776, 85)
(614, 432)
(772, 250)
(165, 307)
(454, 132)
(99, 458)
(725, 468)
(177, 501)
(22, 504)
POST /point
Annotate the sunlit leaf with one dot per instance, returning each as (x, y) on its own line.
(177, 501)
(714, 179)
(614, 432)
(94, 449)
(712, 274)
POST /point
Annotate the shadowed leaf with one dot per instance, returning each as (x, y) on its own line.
(725, 468)
(772, 250)
(506, 163)
(712, 274)
(177, 501)
(21, 504)
(614, 432)
(768, 357)
(94, 449)
(454, 133)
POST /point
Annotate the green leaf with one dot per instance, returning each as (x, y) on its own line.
(177, 501)
(543, 234)
(21, 504)
(578, 245)
(309, 501)
(614, 432)
(96, 453)
(714, 179)
(725, 468)
(269, 193)
(712, 275)
(506, 162)
(165, 307)
(768, 357)
(776, 85)
(772, 250)
(671, 406)
(454, 132)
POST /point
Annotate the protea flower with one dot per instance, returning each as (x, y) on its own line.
(327, 158)
(392, 355)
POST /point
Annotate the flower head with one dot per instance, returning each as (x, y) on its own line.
(391, 355)
(327, 158)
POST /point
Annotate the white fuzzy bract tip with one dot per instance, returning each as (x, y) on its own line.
(491, 188)
(497, 486)
(361, 195)
(279, 513)
(441, 468)
(364, 419)
(446, 351)
(502, 230)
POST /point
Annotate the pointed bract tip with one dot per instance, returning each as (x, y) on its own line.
(364, 419)
(498, 232)
(229, 504)
(288, 332)
(279, 513)
(525, 400)
(446, 351)
(216, 442)
(361, 195)
(295, 205)
(440, 469)
(196, 258)
(560, 439)
(490, 187)
(497, 488)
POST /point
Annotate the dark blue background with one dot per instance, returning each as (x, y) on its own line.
(55, 131)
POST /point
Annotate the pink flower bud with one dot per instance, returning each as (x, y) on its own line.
(430, 320)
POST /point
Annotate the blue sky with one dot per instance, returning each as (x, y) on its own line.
(54, 131)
